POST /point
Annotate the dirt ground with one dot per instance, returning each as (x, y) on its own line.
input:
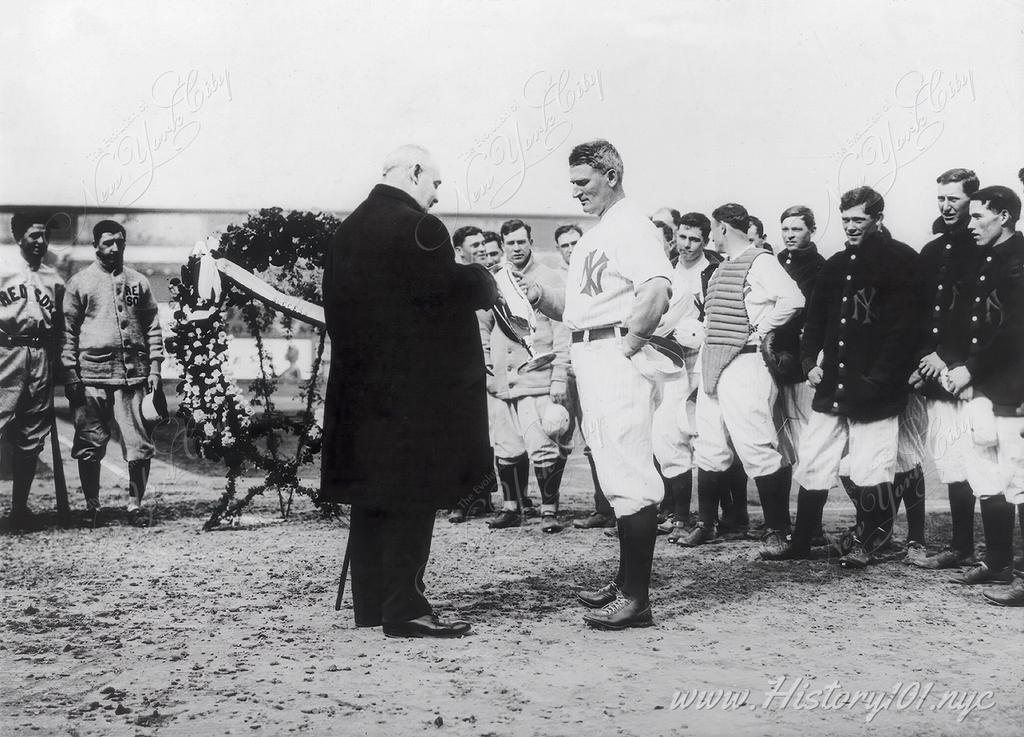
(167, 630)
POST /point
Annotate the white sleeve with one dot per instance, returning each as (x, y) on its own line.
(767, 276)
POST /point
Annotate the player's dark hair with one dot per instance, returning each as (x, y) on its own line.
(696, 220)
(997, 199)
(511, 226)
(22, 221)
(597, 153)
(106, 226)
(874, 203)
(734, 215)
(460, 235)
(1020, 176)
(491, 237)
(756, 222)
(799, 211)
(563, 229)
(968, 177)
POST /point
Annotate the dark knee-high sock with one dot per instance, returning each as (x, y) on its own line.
(738, 515)
(549, 479)
(853, 491)
(89, 473)
(138, 477)
(809, 506)
(601, 505)
(23, 471)
(961, 512)
(709, 488)
(997, 520)
(910, 487)
(638, 532)
(684, 493)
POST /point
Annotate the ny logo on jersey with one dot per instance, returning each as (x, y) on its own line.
(993, 309)
(862, 301)
(593, 270)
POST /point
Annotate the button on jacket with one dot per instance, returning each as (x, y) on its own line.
(948, 267)
(111, 328)
(863, 314)
(996, 358)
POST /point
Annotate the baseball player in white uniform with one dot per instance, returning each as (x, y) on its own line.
(30, 316)
(619, 284)
(749, 296)
(674, 425)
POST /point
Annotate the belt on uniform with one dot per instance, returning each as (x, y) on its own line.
(591, 334)
(28, 341)
(749, 349)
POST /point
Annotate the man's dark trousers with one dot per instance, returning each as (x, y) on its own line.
(389, 549)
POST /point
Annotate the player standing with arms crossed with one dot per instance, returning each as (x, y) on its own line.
(618, 287)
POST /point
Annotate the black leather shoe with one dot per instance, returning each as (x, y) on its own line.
(426, 626)
(620, 614)
(549, 523)
(505, 518)
(698, 536)
(1013, 596)
(948, 558)
(594, 521)
(858, 557)
(599, 597)
(981, 573)
(773, 545)
(789, 551)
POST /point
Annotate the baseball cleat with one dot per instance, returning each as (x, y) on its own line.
(600, 597)
(947, 558)
(620, 614)
(858, 557)
(698, 536)
(916, 553)
(981, 573)
(504, 518)
(457, 516)
(594, 521)
(549, 523)
(679, 531)
(790, 551)
(1013, 596)
(774, 545)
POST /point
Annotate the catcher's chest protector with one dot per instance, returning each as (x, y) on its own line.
(728, 326)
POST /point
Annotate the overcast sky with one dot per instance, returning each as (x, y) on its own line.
(242, 105)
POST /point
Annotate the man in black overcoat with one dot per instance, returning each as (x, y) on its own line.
(405, 425)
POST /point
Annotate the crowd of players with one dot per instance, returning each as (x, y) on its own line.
(847, 370)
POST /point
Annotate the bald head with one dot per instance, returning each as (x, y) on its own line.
(411, 169)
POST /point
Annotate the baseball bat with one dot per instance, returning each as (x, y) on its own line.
(60, 484)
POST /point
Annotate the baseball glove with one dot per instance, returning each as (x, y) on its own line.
(781, 352)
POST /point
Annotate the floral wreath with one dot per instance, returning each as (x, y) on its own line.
(286, 249)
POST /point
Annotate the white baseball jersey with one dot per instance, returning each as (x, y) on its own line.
(28, 299)
(609, 262)
(771, 297)
(686, 287)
